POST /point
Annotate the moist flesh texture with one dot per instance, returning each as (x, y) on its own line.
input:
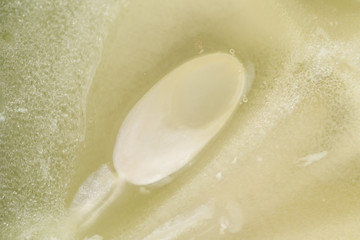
(286, 166)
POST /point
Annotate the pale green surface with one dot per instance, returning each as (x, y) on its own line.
(295, 140)
(49, 52)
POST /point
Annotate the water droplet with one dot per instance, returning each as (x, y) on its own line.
(245, 100)
(232, 51)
